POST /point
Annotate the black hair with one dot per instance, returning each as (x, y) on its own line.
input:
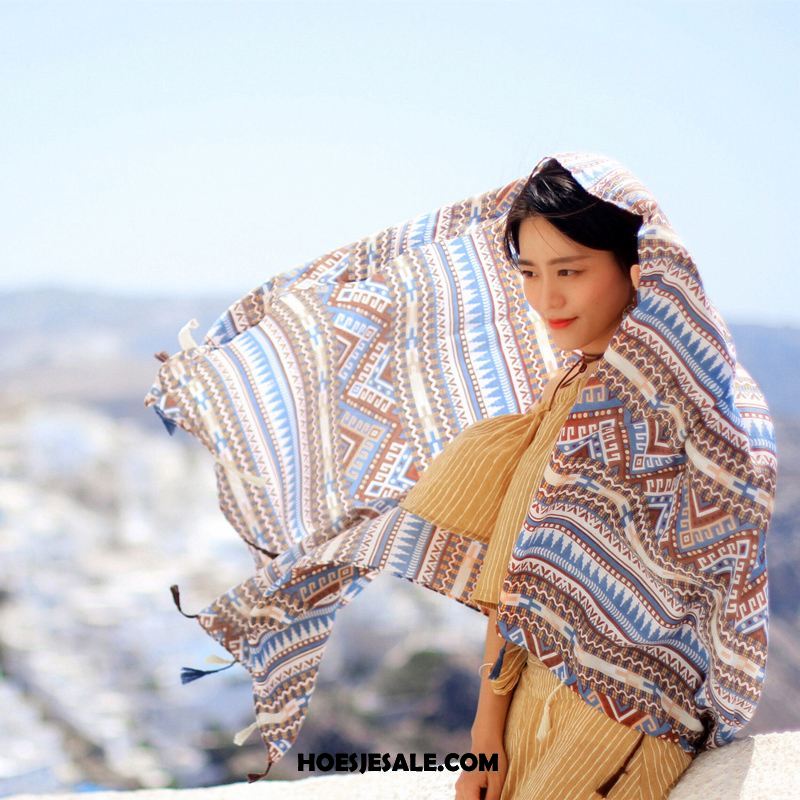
(554, 194)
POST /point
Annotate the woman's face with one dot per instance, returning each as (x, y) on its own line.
(564, 280)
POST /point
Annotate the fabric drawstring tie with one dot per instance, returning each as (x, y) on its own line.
(569, 376)
(544, 725)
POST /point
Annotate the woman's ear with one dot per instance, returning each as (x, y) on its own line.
(635, 273)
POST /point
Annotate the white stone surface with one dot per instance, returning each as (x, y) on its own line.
(762, 767)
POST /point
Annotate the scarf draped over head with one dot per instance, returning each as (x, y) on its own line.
(641, 569)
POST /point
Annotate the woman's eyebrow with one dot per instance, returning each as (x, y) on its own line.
(560, 260)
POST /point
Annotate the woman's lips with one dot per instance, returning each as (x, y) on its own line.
(560, 323)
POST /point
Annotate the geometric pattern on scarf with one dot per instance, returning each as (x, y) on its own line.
(640, 574)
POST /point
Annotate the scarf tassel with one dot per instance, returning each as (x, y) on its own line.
(498, 665)
(253, 544)
(189, 674)
(244, 734)
(176, 597)
(257, 776)
(169, 424)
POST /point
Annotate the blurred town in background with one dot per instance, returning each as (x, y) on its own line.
(101, 511)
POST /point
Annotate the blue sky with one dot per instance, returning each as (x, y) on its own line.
(202, 147)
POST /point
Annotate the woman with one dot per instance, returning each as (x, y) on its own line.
(614, 534)
(577, 261)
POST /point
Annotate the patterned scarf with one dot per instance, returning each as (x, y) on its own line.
(640, 572)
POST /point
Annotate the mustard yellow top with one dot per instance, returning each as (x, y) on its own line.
(482, 484)
(483, 481)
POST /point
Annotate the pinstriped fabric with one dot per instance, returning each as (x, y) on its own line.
(583, 752)
(526, 477)
(639, 574)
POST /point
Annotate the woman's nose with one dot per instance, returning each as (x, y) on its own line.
(550, 297)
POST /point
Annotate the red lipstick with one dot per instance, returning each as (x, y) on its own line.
(560, 323)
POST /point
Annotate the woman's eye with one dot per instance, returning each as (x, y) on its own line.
(526, 273)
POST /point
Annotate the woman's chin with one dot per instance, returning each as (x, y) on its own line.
(564, 340)
(582, 345)
(594, 342)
